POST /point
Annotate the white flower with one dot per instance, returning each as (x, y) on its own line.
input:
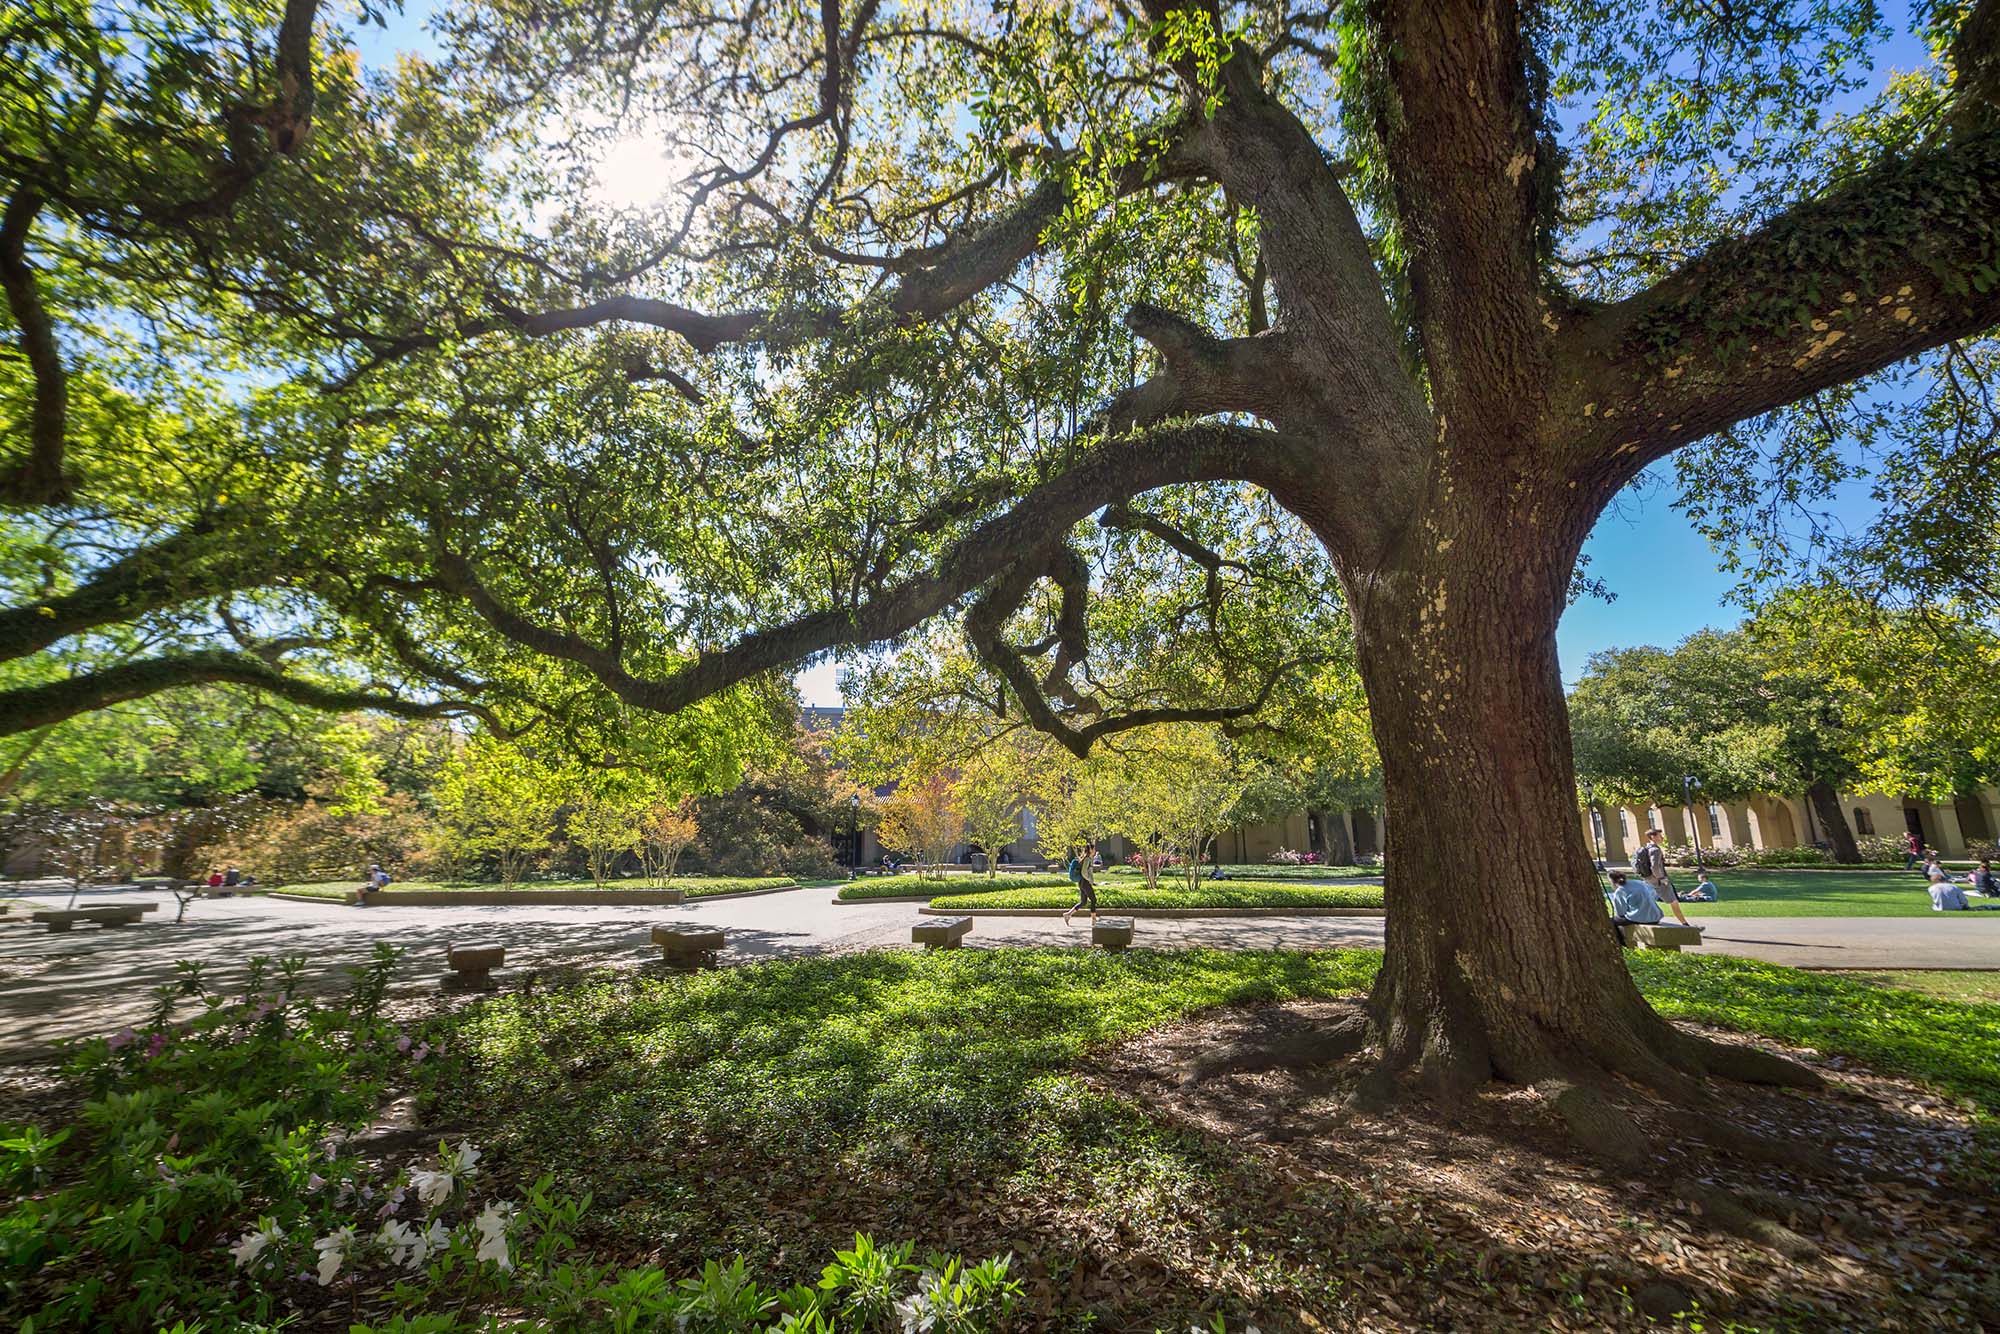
(492, 1224)
(252, 1243)
(399, 1239)
(433, 1188)
(333, 1250)
(437, 1238)
(460, 1161)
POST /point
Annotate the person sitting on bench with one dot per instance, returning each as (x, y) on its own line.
(1633, 903)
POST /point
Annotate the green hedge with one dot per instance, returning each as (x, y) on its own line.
(1259, 871)
(1212, 894)
(906, 886)
(694, 886)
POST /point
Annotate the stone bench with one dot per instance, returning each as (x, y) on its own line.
(1661, 936)
(688, 946)
(104, 914)
(471, 966)
(1113, 933)
(941, 933)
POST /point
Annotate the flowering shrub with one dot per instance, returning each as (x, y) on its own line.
(1287, 857)
(1155, 861)
(1682, 854)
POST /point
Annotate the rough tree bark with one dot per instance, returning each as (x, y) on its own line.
(1839, 834)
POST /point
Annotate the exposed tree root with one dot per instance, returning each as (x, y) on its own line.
(1749, 1065)
(1595, 1123)
(1729, 1212)
(1753, 1147)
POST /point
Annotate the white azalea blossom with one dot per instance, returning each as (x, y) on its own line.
(252, 1243)
(493, 1223)
(460, 1161)
(333, 1250)
(433, 1188)
(400, 1240)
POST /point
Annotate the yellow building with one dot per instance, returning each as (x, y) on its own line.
(1790, 822)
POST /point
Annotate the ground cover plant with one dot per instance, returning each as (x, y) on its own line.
(1745, 893)
(1955, 984)
(1113, 896)
(956, 1099)
(632, 1151)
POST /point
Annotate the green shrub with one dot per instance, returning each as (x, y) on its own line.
(904, 886)
(1212, 894)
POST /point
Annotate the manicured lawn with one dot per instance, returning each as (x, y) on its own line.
(903, 886)
(1812, 894)
(1945, 983)
(693, 886)
(1212, 894)
(1259, 871)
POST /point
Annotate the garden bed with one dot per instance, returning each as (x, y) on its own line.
(917, 888)
(1261, 871)
(542, 893)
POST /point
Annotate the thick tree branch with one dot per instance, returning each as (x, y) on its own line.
(1114, 470)
(201, 561)
(1902, 258)
(28, 707)
(40, 478)
(1473, 171)
(1203, 374)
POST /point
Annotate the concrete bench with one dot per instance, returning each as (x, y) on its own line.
(688, 946)
(941, 933)
(1661, 936)
(471, 966)
(104, 914)
(1113, 933)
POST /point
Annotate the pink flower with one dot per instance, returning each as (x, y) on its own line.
(157, 1045)
(173, 1141)
(315, 1182)
(124, 1037)
(420, 1053)
(403, 1043)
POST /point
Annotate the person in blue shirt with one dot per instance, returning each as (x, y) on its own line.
(1633, 903)
(1705, 892)
(1945, 896)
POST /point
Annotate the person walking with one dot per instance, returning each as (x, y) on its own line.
(1651, 865)
(1913, 851)
(1086, 883)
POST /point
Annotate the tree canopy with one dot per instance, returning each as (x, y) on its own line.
(338, 382)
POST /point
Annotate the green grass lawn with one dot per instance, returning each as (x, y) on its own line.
(1813, 894)
(1944, 983)
(903, 886)
(693, 886)
(1259, 871)
(1225, 894)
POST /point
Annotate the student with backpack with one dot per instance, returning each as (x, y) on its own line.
(1086, 884)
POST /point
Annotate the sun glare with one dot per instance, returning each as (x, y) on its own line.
(637, 170)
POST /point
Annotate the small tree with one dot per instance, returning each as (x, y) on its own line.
(666, 830)
(991, 802)
(606, 827)
(499, 802)
(925, 820)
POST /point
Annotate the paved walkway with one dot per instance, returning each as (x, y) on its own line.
(90, 980)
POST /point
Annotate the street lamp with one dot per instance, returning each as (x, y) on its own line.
(1590, 813)
(854, 831)
(1689, 786)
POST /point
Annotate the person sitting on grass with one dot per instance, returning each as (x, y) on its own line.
(1984, 882)
(1705, 892)
(1945, 896)
(1634, 903)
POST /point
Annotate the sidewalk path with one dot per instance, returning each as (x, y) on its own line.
(91, 980)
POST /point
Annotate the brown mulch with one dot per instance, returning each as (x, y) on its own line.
(1483, 1216)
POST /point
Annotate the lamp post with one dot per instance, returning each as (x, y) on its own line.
(854, 831)
(1590, 813)
(1689, 786)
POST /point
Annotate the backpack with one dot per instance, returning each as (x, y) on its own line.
(1075, 871)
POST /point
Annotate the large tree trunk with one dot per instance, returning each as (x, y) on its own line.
(1500, 959)
(1839, 834)
(1339, 847)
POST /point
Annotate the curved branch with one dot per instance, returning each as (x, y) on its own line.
(1114, 470)
(1203, 374)
(28, 707)
(1887, 266)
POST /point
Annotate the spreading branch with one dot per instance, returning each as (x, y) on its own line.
(26, 708)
